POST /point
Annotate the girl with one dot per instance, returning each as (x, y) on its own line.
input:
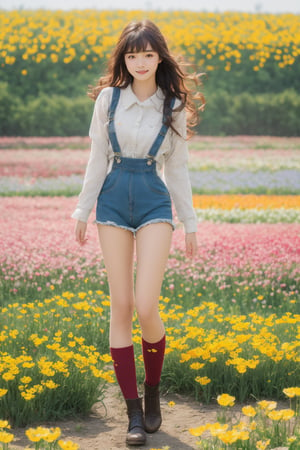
(138, 127)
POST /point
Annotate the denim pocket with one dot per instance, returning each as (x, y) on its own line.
(110, 181)
(155, 184)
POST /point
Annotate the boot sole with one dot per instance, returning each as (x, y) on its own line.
(136, 442)
(151, 430)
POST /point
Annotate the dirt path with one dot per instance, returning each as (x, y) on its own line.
(106, 430)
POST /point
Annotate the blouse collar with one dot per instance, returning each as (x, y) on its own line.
(129, 98)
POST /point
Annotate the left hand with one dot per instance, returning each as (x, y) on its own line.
(80, 231)
(191, 245)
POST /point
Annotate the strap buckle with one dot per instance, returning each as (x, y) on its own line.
(151, 160)
(117, 157)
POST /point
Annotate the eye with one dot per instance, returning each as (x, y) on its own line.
(149, 55)
(130, 56)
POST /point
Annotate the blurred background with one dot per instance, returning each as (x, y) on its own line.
(51, 52)
(232, 314)
(275, 6)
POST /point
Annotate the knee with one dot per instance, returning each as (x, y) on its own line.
(146, 313)
(122, 311)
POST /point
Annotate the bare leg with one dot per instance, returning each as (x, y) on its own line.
(117, 247)
(152, 248)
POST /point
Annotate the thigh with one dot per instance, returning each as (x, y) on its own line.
(117, 247)
(152, 250)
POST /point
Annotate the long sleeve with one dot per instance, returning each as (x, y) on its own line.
(177, 175)
(98, 160)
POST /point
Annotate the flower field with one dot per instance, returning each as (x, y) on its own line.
(232, 315)
(48, 59)
(42, 35)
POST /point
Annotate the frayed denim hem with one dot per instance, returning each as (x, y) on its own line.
(157, 221)
(113, 224)
(135, 230)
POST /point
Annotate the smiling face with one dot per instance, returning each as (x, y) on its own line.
(142, 65)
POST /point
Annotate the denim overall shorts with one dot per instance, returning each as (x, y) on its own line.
(133, 195)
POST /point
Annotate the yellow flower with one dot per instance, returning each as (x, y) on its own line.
(230, 436)
(196, 366)
(203, 380)
(287, 414)
(50, 384)
(106, 358)
(262, 445)
(53, 434)
(3, 392)
(217, 428)
(275, 415)
(292, 392)
(244, 202)
(198, 431)
(28, 395)
(244, 435)
(283, 414)
(108, 376)
(166, 447)
(241, 368)
(8, 376)
(36, 434)
(25, 380)
(28, 365)
(171, 404)
(4, 424)
(225, 400)
(68, 445)
(249, 411)
(5, 437)
(267, 405)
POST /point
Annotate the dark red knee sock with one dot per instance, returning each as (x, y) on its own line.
(153, 360)
(124, 365)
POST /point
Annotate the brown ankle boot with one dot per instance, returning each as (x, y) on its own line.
(136, 434)
(152, 408)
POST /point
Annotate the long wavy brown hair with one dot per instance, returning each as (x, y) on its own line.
(170, 75)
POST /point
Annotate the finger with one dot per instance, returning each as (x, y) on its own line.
(192, 251)
(80, 238)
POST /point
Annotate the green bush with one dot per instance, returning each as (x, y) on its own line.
(54, 116)
(261, 114)
(9, 105)
(225, 114)
(242, 78)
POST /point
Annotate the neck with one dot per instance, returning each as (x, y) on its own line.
(143, 90)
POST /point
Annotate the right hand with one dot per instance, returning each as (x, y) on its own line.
(80, 231)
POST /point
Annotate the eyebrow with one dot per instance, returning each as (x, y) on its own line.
(141, 51)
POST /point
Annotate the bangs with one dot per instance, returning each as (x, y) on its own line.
(139, 41)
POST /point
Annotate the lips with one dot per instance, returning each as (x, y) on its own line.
(141, 72)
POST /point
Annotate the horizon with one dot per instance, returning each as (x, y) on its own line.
(266, 6)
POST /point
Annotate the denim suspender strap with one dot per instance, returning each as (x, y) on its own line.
(112, 131)
(161, 135)
(111, 123)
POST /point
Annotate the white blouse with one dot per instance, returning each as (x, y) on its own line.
(137, 124)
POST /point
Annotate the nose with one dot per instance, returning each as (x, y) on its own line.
(140, 61)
